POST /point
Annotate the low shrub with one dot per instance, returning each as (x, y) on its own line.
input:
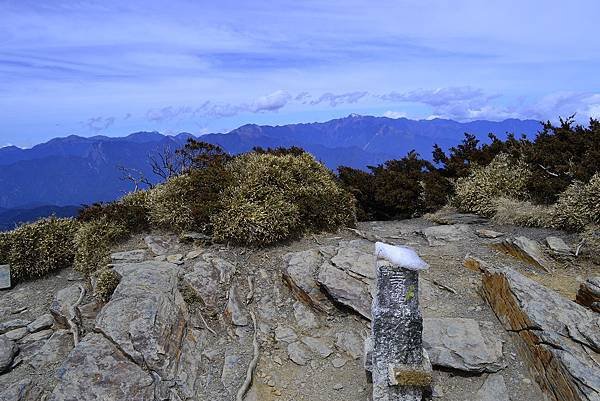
(130, 211)
(396, 189)
(578, 205)
(107, 281)
(591, 244)
(186, 202)
(504, 177)
(35, 249)
(275, 197)
(521, 213)
(93, 242)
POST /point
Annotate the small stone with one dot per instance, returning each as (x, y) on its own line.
(5, 277)
(8, 350)
(33, 337)
(338, 386)
(437, 391)
(338, 362)
(317, 346)
(158, 245)
(43, 322)
(176, 258)
(13, 324)
(193, 254)
(62, 303)
(526, 381)
(557, 245)
(235, 309)
(483, 233)
(16, 334)
(285, 334)
(271, 383)
(160, 258)
(298, 353)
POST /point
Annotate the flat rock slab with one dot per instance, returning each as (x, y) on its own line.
(458, 218)
(493, 389)
(300, 272)
(61, 303)
(560, 339)
(345, 289)
(8, 350)
(136, 255)
(5, 277)
(208, 279)
(485, 233)
(558, 246)
(525, 249)
(589, 294)
(96, 370)
(54, 350)
(440, 235)
(459, 344)
(13, 324)
(146, 315)
(157, 244)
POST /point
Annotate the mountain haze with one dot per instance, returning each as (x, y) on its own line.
(75, 170)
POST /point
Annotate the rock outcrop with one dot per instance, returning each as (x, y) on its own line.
(560, 339)
(589, 294)
(525, 249)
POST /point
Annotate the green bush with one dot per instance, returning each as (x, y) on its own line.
(107, 281)
(187, 202)
(130, 211)
(578, 205)
(397, 189)
(504, 177)
(36, 249)
(275, 197)
(93, 242)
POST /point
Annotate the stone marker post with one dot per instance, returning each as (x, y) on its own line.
(5, 277)
(401, 369)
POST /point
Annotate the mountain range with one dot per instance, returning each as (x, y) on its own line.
(75, 170)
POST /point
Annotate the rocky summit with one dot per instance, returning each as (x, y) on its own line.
(190, 320)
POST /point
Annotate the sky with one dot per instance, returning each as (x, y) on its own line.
(116, 67)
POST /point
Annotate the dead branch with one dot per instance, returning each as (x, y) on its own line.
(206, 324)
(73, 316)
(250, 294)
(252, 366)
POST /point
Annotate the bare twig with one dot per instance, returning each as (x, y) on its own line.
(444, 287)
(579, 246)
(252, 366)
(206, 324)
(548, 171)
(316, 240)
(73, 316)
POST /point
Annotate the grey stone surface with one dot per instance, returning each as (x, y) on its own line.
(235, 310)
(440, 235)
(232, 372)
(54, 350)
(305, 317)
(525, 249)
(351, 343)
(136, 255)
(589, 294)
(8, 350)
(96, 370)
(300, 272)
(558, 245)
(16, 334)
(37, 336)
(298, 353)
(193, 254)
(485, 233)
(552, 328)
(13, 324)
(62, 302)
(318, 346)
(18, 391)
(493, 389)
(157, 244)
(345, 289)
(146, 315)
(43, 322)
(175, 258)
(208, 278)
(285, 334)
(5, 277)
(459, 344)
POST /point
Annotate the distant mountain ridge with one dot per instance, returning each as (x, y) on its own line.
(75, 170)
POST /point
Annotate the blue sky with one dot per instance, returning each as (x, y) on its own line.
(112, 68)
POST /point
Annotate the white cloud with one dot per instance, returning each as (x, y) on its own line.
(271, 102)
(394, 114)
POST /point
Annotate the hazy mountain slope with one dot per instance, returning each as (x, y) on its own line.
(75, 170)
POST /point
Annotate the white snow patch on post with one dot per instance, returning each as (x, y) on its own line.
(400, 256)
